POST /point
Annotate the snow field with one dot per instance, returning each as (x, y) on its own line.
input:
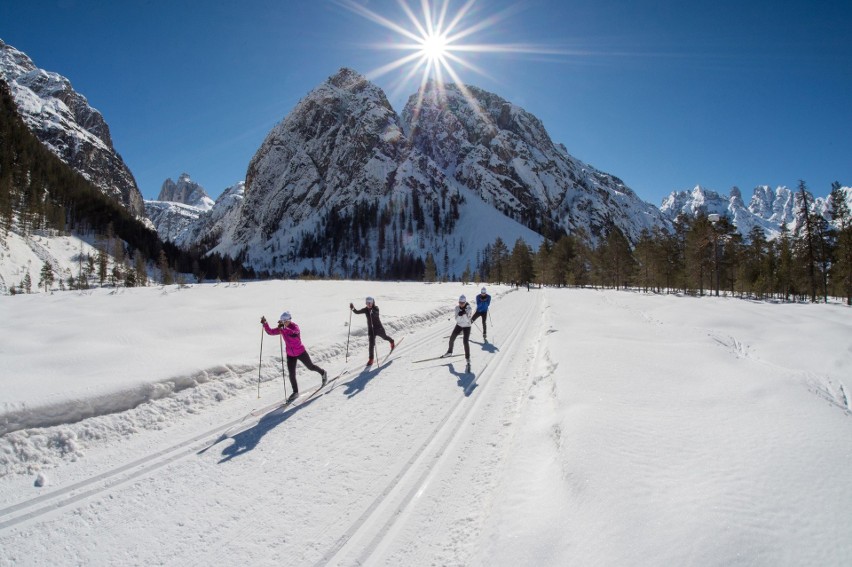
(597, 428)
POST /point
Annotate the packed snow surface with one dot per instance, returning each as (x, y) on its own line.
(142, 427)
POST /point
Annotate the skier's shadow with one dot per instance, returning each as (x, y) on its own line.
(487, 347)
(245, 441)
(357, 384)
(466, 380)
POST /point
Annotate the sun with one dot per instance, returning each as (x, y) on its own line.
(434, 47)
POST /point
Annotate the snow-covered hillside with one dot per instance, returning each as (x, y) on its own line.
(594, 428)
(21, 255)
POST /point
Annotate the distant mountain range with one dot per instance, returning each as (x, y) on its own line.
(345, 185)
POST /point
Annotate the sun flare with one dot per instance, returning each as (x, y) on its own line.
(432, 43)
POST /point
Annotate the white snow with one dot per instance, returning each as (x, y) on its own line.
(595, 428)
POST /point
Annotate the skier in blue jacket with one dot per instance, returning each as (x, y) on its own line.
(483, 300)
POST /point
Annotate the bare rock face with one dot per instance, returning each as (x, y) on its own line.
(185, 191)
(505, 155)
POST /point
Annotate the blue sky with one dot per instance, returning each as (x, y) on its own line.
(665, 94)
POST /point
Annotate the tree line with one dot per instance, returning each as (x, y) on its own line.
(701, 255)
(40, 193)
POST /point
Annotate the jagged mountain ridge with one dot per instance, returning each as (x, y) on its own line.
(768, 208)
(64, 122)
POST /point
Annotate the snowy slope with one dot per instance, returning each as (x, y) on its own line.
(597, 428)
(21, 255)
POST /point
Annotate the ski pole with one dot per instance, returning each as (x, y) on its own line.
(283, 376)
(348, 332)
(260, 363)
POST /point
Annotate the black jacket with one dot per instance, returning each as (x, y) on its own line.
(374, 324)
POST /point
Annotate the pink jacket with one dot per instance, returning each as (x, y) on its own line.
(292, 341)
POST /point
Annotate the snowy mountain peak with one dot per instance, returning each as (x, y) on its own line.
(187, 192)
(64, 122)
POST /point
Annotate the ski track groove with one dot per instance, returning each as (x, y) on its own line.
(79, 491)
(211, 555)
(423, 464)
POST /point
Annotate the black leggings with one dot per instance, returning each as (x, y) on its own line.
(465, 339)
(484, 316)
(373, 336)
(291, 367)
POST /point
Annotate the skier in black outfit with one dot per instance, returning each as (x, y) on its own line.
(374, 326)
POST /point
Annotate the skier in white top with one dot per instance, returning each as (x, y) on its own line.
(463, 312)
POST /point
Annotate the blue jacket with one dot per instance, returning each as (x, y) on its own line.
(482, 303)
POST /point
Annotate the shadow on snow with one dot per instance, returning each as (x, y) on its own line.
(466, 380)
(247, 440)
(357, 384)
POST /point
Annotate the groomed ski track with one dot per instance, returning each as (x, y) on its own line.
(431, 437)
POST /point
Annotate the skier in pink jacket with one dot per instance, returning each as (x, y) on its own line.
(295, 350)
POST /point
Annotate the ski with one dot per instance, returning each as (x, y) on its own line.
(387, 356)
(330, 381)
(438, 357)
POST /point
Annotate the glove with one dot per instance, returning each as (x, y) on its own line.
(262, 320)
(351, 306)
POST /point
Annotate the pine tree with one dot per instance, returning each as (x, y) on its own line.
(165, 271)
(842, 218)
(141, 270)
(46, 278)
(430, 272)
(521, 263)
(804, 201)
(27, 283)
(498, 261)
(615, 260)
(785, 281)
(103, 266)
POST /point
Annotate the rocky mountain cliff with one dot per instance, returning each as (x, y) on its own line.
(187, 192)
(63, 121)
(505, 156)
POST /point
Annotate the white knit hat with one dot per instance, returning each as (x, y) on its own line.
(370, 299)
(462, 299)
(482, 291)
(285, 316)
